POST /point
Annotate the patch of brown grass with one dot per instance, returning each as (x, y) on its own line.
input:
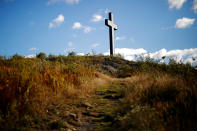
(28, 86)
(173, 98)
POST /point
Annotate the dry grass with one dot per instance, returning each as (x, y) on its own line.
(173, 98)
(156, 96)
(28, 86)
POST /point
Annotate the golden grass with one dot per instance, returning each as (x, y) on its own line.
(173, 98)
(29, 85)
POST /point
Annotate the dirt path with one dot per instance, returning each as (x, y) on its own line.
(103, 104)
(89, 113)
(105, 109)
(109, 112)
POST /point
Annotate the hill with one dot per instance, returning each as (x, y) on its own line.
(96, 93)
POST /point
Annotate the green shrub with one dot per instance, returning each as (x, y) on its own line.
(16, 56)
(72, 53)
(52, 57)
(41, 55)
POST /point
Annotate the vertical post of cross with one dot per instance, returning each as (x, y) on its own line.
(110, 23)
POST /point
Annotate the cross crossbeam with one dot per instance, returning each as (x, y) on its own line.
(110, 23)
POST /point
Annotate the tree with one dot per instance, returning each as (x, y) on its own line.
(52, 57)
(16, 56)
(72, 53)
(41, 55)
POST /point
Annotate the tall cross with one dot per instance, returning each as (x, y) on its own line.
(110, 23)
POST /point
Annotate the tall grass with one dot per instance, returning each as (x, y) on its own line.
(173, 98)
(27, 86)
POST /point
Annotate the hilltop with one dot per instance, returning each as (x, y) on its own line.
(96, 93)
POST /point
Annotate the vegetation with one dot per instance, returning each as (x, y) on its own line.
(72, 53)
(28, 86)
(41, 55)
(96, 93)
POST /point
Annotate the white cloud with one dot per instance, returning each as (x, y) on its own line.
(120, 38)
(80, 54)
(86, 29)
(184, 22)
(95, 45)
(176, 3)
(195, 6)
(33, 49)
(99, 15)
(97, 18)
(179, 55)
(186, 55)
(70, 44)
(77, 25)
(50, 2)
(57, 21)
(158, 54)
(128, 53)
(31, 56)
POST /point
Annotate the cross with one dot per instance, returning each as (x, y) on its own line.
(110, 23)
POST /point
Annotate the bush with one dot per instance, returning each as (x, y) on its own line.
(52, 57)
(16, 56)
(72, 53)
(41, 55)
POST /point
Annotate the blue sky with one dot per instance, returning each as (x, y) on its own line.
(58, 26)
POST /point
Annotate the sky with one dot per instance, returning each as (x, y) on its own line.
(155, 28)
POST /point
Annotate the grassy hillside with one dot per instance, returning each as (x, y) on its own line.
(96, 93)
